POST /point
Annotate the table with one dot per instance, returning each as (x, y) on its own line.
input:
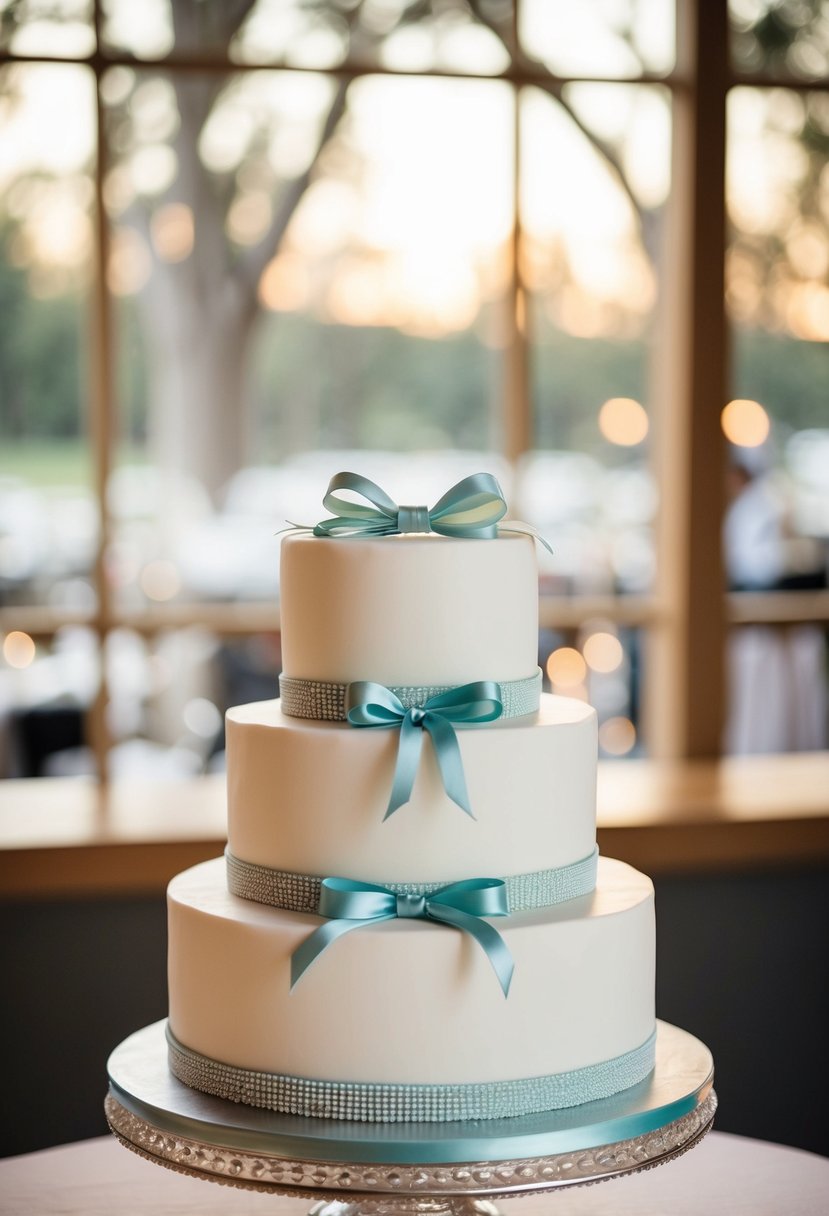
(727, 1175)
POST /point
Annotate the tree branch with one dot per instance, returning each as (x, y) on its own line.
(258, 256)
(195, 24)
(555, 89)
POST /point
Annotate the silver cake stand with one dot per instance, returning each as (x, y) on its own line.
(371, 1169)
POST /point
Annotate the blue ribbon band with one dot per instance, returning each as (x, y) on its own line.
(350, 905)
(296, 892)
(470, 509)
(325, 701)
(368, 1102)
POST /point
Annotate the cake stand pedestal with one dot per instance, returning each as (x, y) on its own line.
(374, 1169)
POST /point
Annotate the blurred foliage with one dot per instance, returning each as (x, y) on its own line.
(41, 365)
(781, 36)
(453, 384)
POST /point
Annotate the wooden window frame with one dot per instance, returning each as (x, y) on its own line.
(687, 616)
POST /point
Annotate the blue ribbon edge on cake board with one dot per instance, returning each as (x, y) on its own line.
(141, 1081)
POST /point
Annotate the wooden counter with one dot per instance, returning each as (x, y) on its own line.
(72, 838)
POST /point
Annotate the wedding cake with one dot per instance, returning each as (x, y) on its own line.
(411, 921)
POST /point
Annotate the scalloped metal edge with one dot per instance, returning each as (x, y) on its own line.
(286, 1176)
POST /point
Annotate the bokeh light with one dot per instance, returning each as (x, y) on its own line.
(566, 667)
(202, 717)
(623, 421)
(285, 283)
(603, 652)
(745, 423)
(130, 263)
(18, 649)
(617, 736)
(160, 580)
(173, 231)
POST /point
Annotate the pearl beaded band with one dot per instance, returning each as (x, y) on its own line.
(389, 1103)
(326, 702)
(301, 892)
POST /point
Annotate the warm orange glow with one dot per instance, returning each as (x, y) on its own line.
(745, 423)
(577, 692)
(521, 311)
(357, 296)
(249, 217)
(566, 668)
(623, 421)
(578, 314)
(284, 284)
(172, 231)
(743, 292)
(807, 312)
(18, 649)
(129, 263)
(617, 736)
(160, 580)
(808, 249)
(603, 652)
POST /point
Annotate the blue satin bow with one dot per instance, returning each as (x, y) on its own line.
(471, 508)
(370, 704)
(351, 905)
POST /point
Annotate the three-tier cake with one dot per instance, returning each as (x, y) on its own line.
(411, 921)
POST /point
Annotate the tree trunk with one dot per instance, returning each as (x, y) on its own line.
(197, 351)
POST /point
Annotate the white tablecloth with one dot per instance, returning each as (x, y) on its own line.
(725, 1174)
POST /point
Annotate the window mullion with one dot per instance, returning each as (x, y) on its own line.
(686, 668)
(101, 427)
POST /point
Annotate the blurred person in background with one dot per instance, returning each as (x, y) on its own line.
(777, 683)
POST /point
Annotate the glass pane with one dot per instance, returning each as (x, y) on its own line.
(46, 690)
(593, 183)
(781, 37)
(390, 287)
(43, 27)
(48, 519)
(296, 33)
(146, 30)
(167, 700)
(777, 527)
(598, 663)
(275, 298)
(612, 38)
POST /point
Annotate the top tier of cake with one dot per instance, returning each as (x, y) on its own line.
(409, 610)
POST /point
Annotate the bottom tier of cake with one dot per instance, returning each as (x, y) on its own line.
(406, 1019)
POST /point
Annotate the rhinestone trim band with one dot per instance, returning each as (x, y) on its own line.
(325, 702)
(301, 892)
(389, 1103)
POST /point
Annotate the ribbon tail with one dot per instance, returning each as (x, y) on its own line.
(308, 952)
(448, 755)
(515, 525)
(290, 526)
(348, 527)
(487, 937)
(405, 770)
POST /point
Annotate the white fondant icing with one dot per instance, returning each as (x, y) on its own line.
(409, 609)
(310, 797)
(409, 1001)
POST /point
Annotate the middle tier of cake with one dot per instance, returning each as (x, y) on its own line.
(309, 797)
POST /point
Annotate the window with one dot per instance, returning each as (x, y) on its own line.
(246, 245)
